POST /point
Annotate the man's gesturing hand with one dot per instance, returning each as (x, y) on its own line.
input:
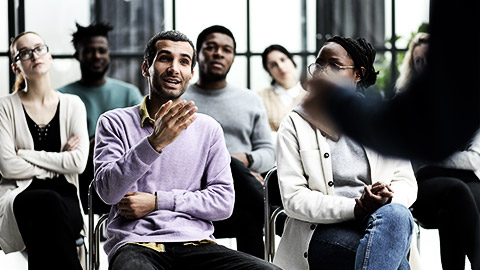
(170, 121)
(136, 205)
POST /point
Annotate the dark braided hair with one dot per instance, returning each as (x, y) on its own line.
(93, 30)
(363, 55)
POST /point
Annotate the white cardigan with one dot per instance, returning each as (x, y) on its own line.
(304, 173)
(19, 163)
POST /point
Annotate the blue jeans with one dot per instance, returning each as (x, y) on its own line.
(380, 241)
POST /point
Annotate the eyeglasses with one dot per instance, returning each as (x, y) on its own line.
(315, 69)
(27, 54)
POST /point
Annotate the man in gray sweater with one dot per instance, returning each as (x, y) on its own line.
(243, 118)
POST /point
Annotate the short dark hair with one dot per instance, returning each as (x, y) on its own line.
(363, 55)
(215, 29)
(173, 35)
(93, 30)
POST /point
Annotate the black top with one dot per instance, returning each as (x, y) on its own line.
(45, 138)
(48, 139)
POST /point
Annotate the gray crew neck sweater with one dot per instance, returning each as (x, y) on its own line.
(242, 115)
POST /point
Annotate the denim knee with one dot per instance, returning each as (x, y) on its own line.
(397, 215)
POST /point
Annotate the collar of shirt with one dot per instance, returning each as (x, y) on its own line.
(146, 119)
(291, 92)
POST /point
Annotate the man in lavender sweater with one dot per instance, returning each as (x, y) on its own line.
(166, 172)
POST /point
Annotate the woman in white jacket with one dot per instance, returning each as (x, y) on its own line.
(44, 145)
(347, 206)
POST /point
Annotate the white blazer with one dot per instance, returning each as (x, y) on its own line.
(19, 162)
(304, 173)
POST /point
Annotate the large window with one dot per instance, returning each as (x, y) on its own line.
(301, 26)
(4, 65)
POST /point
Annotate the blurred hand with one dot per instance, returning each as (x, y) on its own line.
(170, 121)
(258, 177)
(136, 205)
(71, 144)
(242, 157)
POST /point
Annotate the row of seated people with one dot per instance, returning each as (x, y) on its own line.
(195, 158)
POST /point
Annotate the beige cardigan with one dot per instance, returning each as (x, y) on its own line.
(304, 172)
(276, 110)
(19, 163)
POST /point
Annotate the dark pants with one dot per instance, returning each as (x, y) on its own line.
(49, 219)
(246, 222)
(451, 205)
(178, 256)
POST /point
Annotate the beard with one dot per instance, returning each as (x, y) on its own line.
(166, 93)
(215, 77)
(92, 75)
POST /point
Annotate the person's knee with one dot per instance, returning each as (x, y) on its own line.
(397, 215)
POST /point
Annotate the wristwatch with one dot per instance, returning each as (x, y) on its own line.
(249, 159)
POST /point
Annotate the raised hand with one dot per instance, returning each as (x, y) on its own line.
(170, 121)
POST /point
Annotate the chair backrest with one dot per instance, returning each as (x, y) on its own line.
(272, 190)
(273, 207)
(93, 231)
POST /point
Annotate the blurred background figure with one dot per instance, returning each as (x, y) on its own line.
(448, 191)
(414, 61)
(98, 92)
(285, 91)
(44, 148)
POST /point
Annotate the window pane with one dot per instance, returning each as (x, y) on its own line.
(56, 28)
(384, 78)
(64, 71)
(311, 25)
(4, 73)
(275, 21)
(192, 16)
(4, 26)
(238, 72)
(410, 14)
(260, 78)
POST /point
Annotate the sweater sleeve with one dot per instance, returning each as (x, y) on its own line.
(13, 166)
(66, 162)
(117, 169)
(404, 184)
(216, 199)
(296, 172)
(263, 152)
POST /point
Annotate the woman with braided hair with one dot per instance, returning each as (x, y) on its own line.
(347, 206)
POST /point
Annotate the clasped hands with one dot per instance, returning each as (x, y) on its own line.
(373, 197)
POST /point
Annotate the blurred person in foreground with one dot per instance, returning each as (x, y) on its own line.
(438, 112)
(448, 191)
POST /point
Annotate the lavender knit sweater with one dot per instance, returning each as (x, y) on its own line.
(192, 179)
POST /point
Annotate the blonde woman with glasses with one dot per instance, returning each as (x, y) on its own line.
(44, 146)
